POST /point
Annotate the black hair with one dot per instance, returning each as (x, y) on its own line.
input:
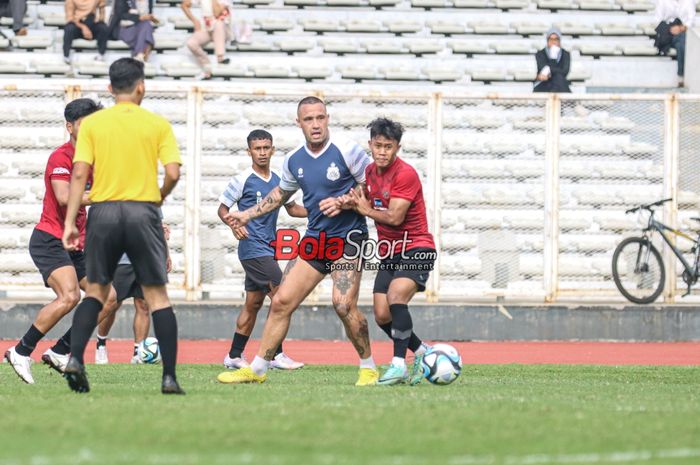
(385, 127)
(124, 74)
(80, 108)
(258, 134)
(310, 100)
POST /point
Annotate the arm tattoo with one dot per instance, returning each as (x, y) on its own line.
(272, 201)
(270, 354)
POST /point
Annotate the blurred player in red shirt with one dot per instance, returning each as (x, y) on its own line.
(62, 271)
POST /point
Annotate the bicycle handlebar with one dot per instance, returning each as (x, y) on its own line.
(648, 206)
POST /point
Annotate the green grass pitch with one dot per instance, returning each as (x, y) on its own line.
(506, 414)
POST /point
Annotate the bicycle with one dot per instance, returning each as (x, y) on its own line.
(637, 267)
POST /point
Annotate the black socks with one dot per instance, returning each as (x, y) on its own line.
(165, 329)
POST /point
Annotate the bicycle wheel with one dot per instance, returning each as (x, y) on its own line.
(638, 270)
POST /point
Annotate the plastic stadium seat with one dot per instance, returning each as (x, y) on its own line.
(270, 71)
(229, 71)
(252, 3)
(181, 69)
(389, 46)
(12, 67)
(258, 116)
(596, 195)
(637, 149)
(313, 72)
(530, 123)
(7, 21)
(633, 6)
(16, 262)
(428, 4)
(425, 46)
(617, 29)
(383, 3)
(488, 122)
(292, 45)
(301, 3)
(53, 19)
(340, 46)
(363, 25)
(576, 29)
(527, 28)
(512, 4)
(579, 72)
(403, 26)
(320, 25)
(473, 3)
(256, 46)
(271, 25)
(460, 264)
(489, 74)
(443, 74)
(557, 5)
(459, 241)
(9, 192)
(640, 50)
(446, 27)
(584, 243)
(31, 42)
(169, 41)
(617, 123)
(598, 49)
(576, 123)
(455, 193)
(348, 3)
(503, 147)
(357, 72)
(488, 27)
(181, 22)
(469, 47)
(514, 47)
(598, 5)
(400, 73)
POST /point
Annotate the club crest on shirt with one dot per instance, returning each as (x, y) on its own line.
(385, 194)
(333, 172)
(300, 173)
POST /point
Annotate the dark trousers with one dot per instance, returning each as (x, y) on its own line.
(100, 32)
(15, 9)
(678, 42)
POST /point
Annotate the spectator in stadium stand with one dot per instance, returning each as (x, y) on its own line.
(677, 17)
(85, 19)
(215, 26)
(132, 22)
(553, 64)
(122, 147)
(15, 9)
(62, 271)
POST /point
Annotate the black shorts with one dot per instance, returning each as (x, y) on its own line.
(324, 266)
(260, 272)
(416, 269)
(132, 227)
(125, 283)
(48, 254)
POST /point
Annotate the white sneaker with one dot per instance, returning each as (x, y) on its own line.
(101, 356)
(135, 360)
(56, 361)
(235, 363)
(283, 362)
(21, 365)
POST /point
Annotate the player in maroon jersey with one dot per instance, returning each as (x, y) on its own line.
(393, 198)
(62, 271)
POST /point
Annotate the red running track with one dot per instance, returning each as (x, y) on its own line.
(342, 352)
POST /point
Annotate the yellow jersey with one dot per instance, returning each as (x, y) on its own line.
(123, 144)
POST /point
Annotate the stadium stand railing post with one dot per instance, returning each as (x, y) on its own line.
(551, 199)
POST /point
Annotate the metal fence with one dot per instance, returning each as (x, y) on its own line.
(526, 193)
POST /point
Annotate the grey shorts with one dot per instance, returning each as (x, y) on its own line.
(260, 272)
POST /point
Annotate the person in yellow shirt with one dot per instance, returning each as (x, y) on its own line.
(123, 146)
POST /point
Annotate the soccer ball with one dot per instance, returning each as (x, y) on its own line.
(441, 364)
(148, 350)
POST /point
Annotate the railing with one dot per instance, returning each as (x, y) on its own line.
(525, 193)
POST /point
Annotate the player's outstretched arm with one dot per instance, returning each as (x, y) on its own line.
(172, 176)
(272, 201)
(392, 216)
(79, 177)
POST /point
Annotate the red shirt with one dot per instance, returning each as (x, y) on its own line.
(59, 167)
(400, 180)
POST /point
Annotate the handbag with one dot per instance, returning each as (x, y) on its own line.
(663, 37)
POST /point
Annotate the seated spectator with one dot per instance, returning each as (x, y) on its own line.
(553, 63)
(215, 26)
(15, 9)
(674, 17)
(132, 22)
(85, 20)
